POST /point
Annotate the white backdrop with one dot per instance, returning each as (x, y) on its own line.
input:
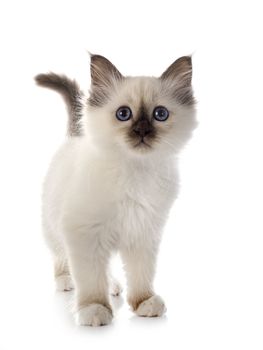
(211, 261)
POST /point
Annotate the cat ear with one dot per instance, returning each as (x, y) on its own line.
(102, 71)
(103, 75)
(179, 76)
(180, 70)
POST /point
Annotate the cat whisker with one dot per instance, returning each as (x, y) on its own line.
(169, 144)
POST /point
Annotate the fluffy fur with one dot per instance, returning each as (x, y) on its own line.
(71, 94)
(109, 191)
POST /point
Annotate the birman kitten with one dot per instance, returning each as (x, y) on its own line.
(112, 183)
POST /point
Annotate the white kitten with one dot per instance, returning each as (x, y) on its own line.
(111, 184)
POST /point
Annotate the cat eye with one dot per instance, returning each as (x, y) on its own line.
(124, 113)
(160, 113)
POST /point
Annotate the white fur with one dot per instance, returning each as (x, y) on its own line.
(152, 307)
(115, 287)
(101, 196)
(93, 315)
(64, 283)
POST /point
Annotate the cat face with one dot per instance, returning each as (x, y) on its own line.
(141, 115)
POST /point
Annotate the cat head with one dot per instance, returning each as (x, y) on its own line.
(140, 115)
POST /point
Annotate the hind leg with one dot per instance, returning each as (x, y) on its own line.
(62, 275)
(61, 270)
(115, 287)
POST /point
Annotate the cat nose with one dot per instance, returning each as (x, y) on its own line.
(142, 127)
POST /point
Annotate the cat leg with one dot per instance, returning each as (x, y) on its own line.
(115, 287)
(61, 271)
(89, 254)
(62, 275)
(139, 263)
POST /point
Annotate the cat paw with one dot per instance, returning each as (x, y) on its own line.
(94, 315)
(152, 307)
(115, 288)
(64, 283)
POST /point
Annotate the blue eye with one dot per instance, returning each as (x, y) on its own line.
(124, 114)
(160, 113)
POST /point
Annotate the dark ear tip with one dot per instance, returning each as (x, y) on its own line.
(92, 55)
(186, 60)
(189, 58)
(179, 70)
(95, 58)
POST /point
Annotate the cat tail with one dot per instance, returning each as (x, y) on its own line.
(72, 95)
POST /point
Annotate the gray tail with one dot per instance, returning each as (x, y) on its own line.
(71, 94)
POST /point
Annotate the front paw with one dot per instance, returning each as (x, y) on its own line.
(152, 307)
(94, 315)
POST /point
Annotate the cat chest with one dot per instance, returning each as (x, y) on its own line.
(141, 212)
(145, 200)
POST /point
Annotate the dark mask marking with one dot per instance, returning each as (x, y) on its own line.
(142, 130)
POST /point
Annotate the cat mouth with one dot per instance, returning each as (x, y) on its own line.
(142, 143)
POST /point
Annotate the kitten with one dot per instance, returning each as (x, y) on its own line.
(111, 184)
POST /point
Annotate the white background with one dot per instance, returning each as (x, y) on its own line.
(211, 261)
